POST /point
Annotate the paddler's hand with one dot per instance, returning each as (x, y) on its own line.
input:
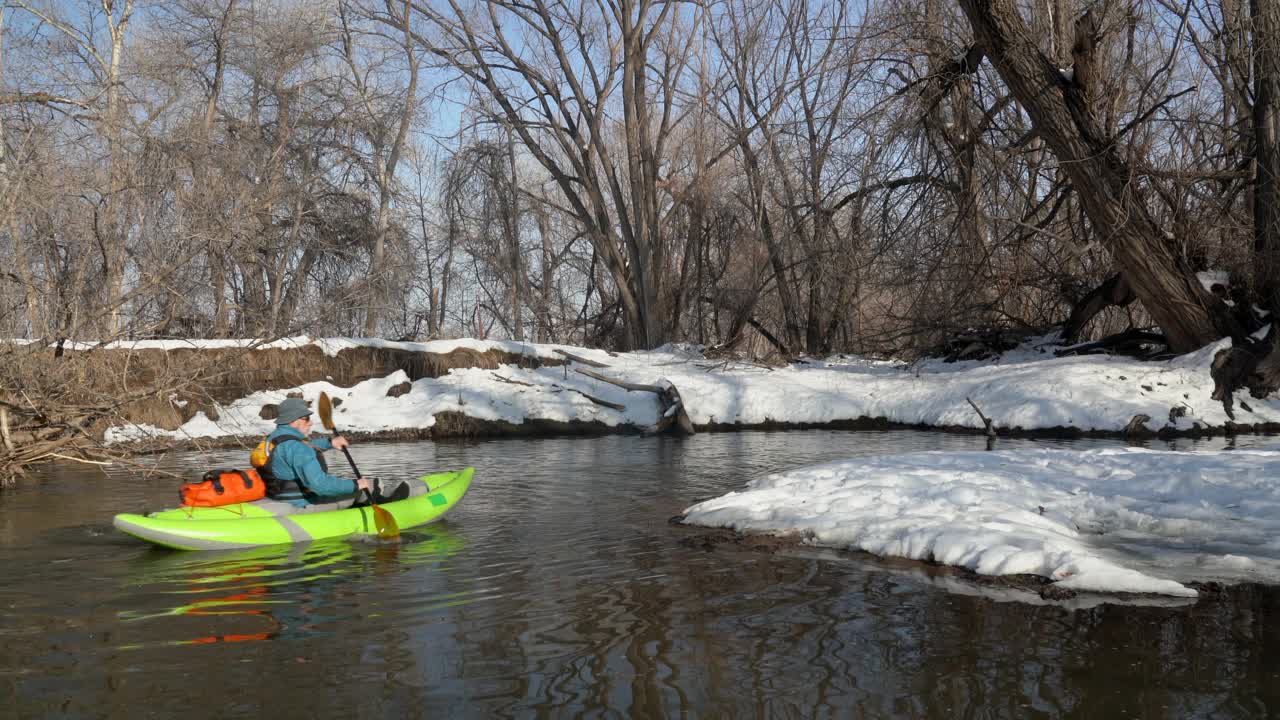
(364, 484)
(340, 442)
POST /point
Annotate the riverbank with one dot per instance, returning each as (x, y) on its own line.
(471, 387)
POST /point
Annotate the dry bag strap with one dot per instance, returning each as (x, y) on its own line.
(271, 454)
(215, 477)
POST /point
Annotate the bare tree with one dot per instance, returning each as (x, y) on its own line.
(386, 112)
(102, 95)
(1061, 112)
(554, 87)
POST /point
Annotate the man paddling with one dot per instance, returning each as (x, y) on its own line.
(295, 470)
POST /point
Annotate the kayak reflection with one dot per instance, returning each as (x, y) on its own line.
(262, 593)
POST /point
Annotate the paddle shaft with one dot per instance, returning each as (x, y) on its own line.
(368, 493)
(354, 469)
(385, 521)
(377, 511)
(351, 461)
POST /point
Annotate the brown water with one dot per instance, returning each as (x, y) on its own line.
(558, 589)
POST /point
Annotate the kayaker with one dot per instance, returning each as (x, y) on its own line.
(296, 470)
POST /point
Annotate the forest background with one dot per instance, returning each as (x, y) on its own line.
(771, 177)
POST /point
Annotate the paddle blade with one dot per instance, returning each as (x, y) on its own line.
(326, 411)
(386, 524)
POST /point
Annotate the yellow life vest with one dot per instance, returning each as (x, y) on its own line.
(260, 455)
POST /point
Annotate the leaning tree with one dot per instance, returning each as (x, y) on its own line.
(1062, 110)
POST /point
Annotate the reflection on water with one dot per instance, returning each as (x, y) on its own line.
(271, 587)
(558, 588)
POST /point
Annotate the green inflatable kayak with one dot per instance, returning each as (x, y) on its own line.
(272, 522)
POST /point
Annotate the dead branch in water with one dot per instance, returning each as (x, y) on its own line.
(990, 429)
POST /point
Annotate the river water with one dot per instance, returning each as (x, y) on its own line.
(558, 588)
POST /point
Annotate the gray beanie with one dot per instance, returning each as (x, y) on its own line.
(292, 409)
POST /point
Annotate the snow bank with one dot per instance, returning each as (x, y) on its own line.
(1028, 389)
(1119, 520)
(330, 346)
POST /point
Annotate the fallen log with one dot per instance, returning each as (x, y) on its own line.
(673, 417)
(1132, 343)
(634, 387)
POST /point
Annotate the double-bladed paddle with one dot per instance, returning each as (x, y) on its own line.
(384, 521)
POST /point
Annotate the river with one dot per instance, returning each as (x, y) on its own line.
(559, 588)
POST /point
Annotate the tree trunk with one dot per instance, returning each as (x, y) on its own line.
(214, 227)
(117, 226)
(1266, 134)
(510, 205)
(545, 329)
(8, 218)
(386, 176)
(1161, 279)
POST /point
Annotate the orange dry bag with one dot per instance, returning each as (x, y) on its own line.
(224, 487)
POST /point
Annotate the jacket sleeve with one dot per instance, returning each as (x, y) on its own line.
(313, 477)
(321, 442)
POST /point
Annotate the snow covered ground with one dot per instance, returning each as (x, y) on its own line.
(1117, 520)
(1028, 388)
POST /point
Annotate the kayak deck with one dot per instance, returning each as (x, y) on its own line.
(271, 522)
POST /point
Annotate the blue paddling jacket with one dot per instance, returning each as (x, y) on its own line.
(297, 471)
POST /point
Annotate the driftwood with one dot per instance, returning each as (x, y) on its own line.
(673, 419)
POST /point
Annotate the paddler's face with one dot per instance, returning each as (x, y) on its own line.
(302, 425)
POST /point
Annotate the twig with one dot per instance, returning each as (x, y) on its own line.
(1151, 111)
(511, 381)
(593, 398)
(69, 457)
